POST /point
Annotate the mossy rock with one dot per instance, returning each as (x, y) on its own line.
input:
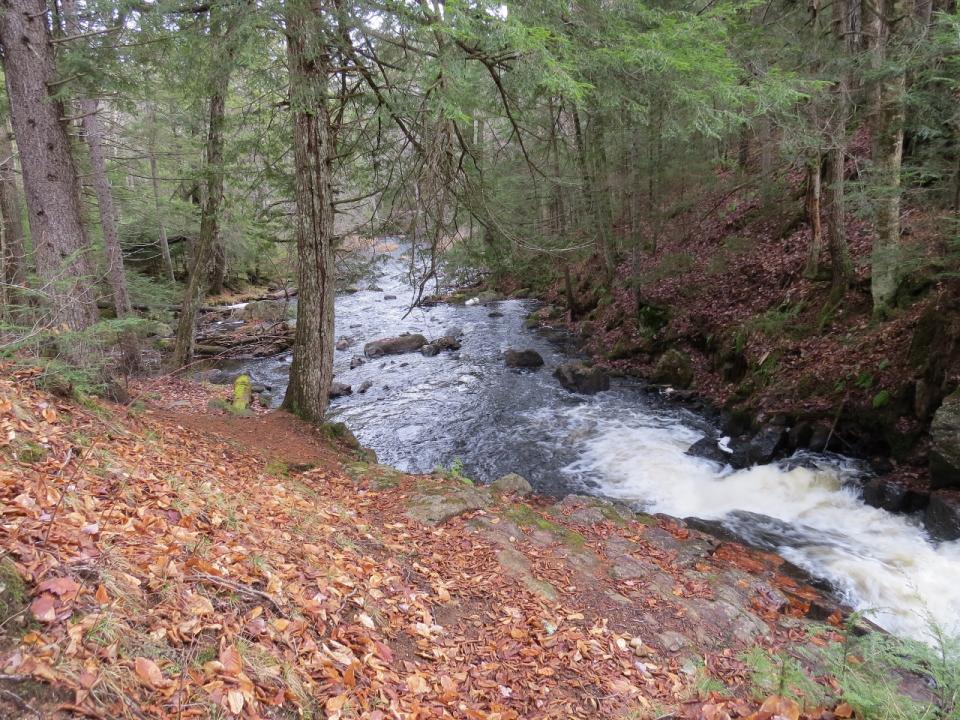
(674, 368)
(14, 597)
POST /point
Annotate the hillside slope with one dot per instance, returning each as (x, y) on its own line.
(167, 560)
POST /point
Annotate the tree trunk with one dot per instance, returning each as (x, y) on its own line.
(814, 168)
(209, 213)
(49, 176)
(841, 269)
(886, 256)
(13, 256)
(592, 162)
(312, 368)
(155, 182)
(116, 277)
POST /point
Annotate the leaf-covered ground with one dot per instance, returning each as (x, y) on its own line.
(177, 562)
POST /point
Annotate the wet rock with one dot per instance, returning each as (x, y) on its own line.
(800, 435)
(893, 495)
(945, 444)
(580, 378)
(339, 389)
(942, 518)
(434, 508)
(673, 368)
(489, 296)
(394, 345)
(389, 297)
(364, 386)
(356, 361)
(522, 358)
(709, 448)
(375, 288)
(512, 484)
(447, 342)
(762, 448)
(264, 311)
(343, 343)
(495, 314)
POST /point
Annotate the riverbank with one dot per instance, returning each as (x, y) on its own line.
(171, 560)
(725, 310)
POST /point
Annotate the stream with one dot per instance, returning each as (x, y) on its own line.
(467, 408)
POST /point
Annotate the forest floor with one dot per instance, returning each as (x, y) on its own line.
(166, 559)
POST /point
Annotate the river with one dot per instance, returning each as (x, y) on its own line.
(628, 444)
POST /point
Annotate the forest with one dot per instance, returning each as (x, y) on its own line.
(455, 358)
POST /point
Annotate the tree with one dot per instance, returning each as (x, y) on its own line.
(116, 275)
(13, 259)
(213, 195)
(49, 176)
(312, 369)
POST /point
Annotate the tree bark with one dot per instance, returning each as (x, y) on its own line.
(210, 210)
(312, 369)
(841, 268)
(13, 255)
(887, 23)
(155, 182)
(813, 203)
(49, 177)
(116, 276)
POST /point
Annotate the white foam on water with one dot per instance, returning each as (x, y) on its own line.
(882, 563)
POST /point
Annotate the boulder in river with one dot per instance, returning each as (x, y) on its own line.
(522, 358)
(338, 389)
(760, 449)
(343, 343)
(356, 361)
(942, 518)
(709, 448)
(447, 342)
(673, 368)
(893, 495)
(581, 378)
(945, 444)
(394, 345)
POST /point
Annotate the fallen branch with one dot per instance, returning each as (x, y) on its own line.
(236, 587)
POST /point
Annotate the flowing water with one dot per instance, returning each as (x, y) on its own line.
(467, 408)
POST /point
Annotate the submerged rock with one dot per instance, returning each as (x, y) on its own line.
(580, 378)
(522, 358)
(394, 345)
(945, 444)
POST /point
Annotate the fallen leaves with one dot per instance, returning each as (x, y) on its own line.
(180, 576)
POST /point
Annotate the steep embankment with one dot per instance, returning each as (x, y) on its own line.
(725, 305)
(167, 560)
